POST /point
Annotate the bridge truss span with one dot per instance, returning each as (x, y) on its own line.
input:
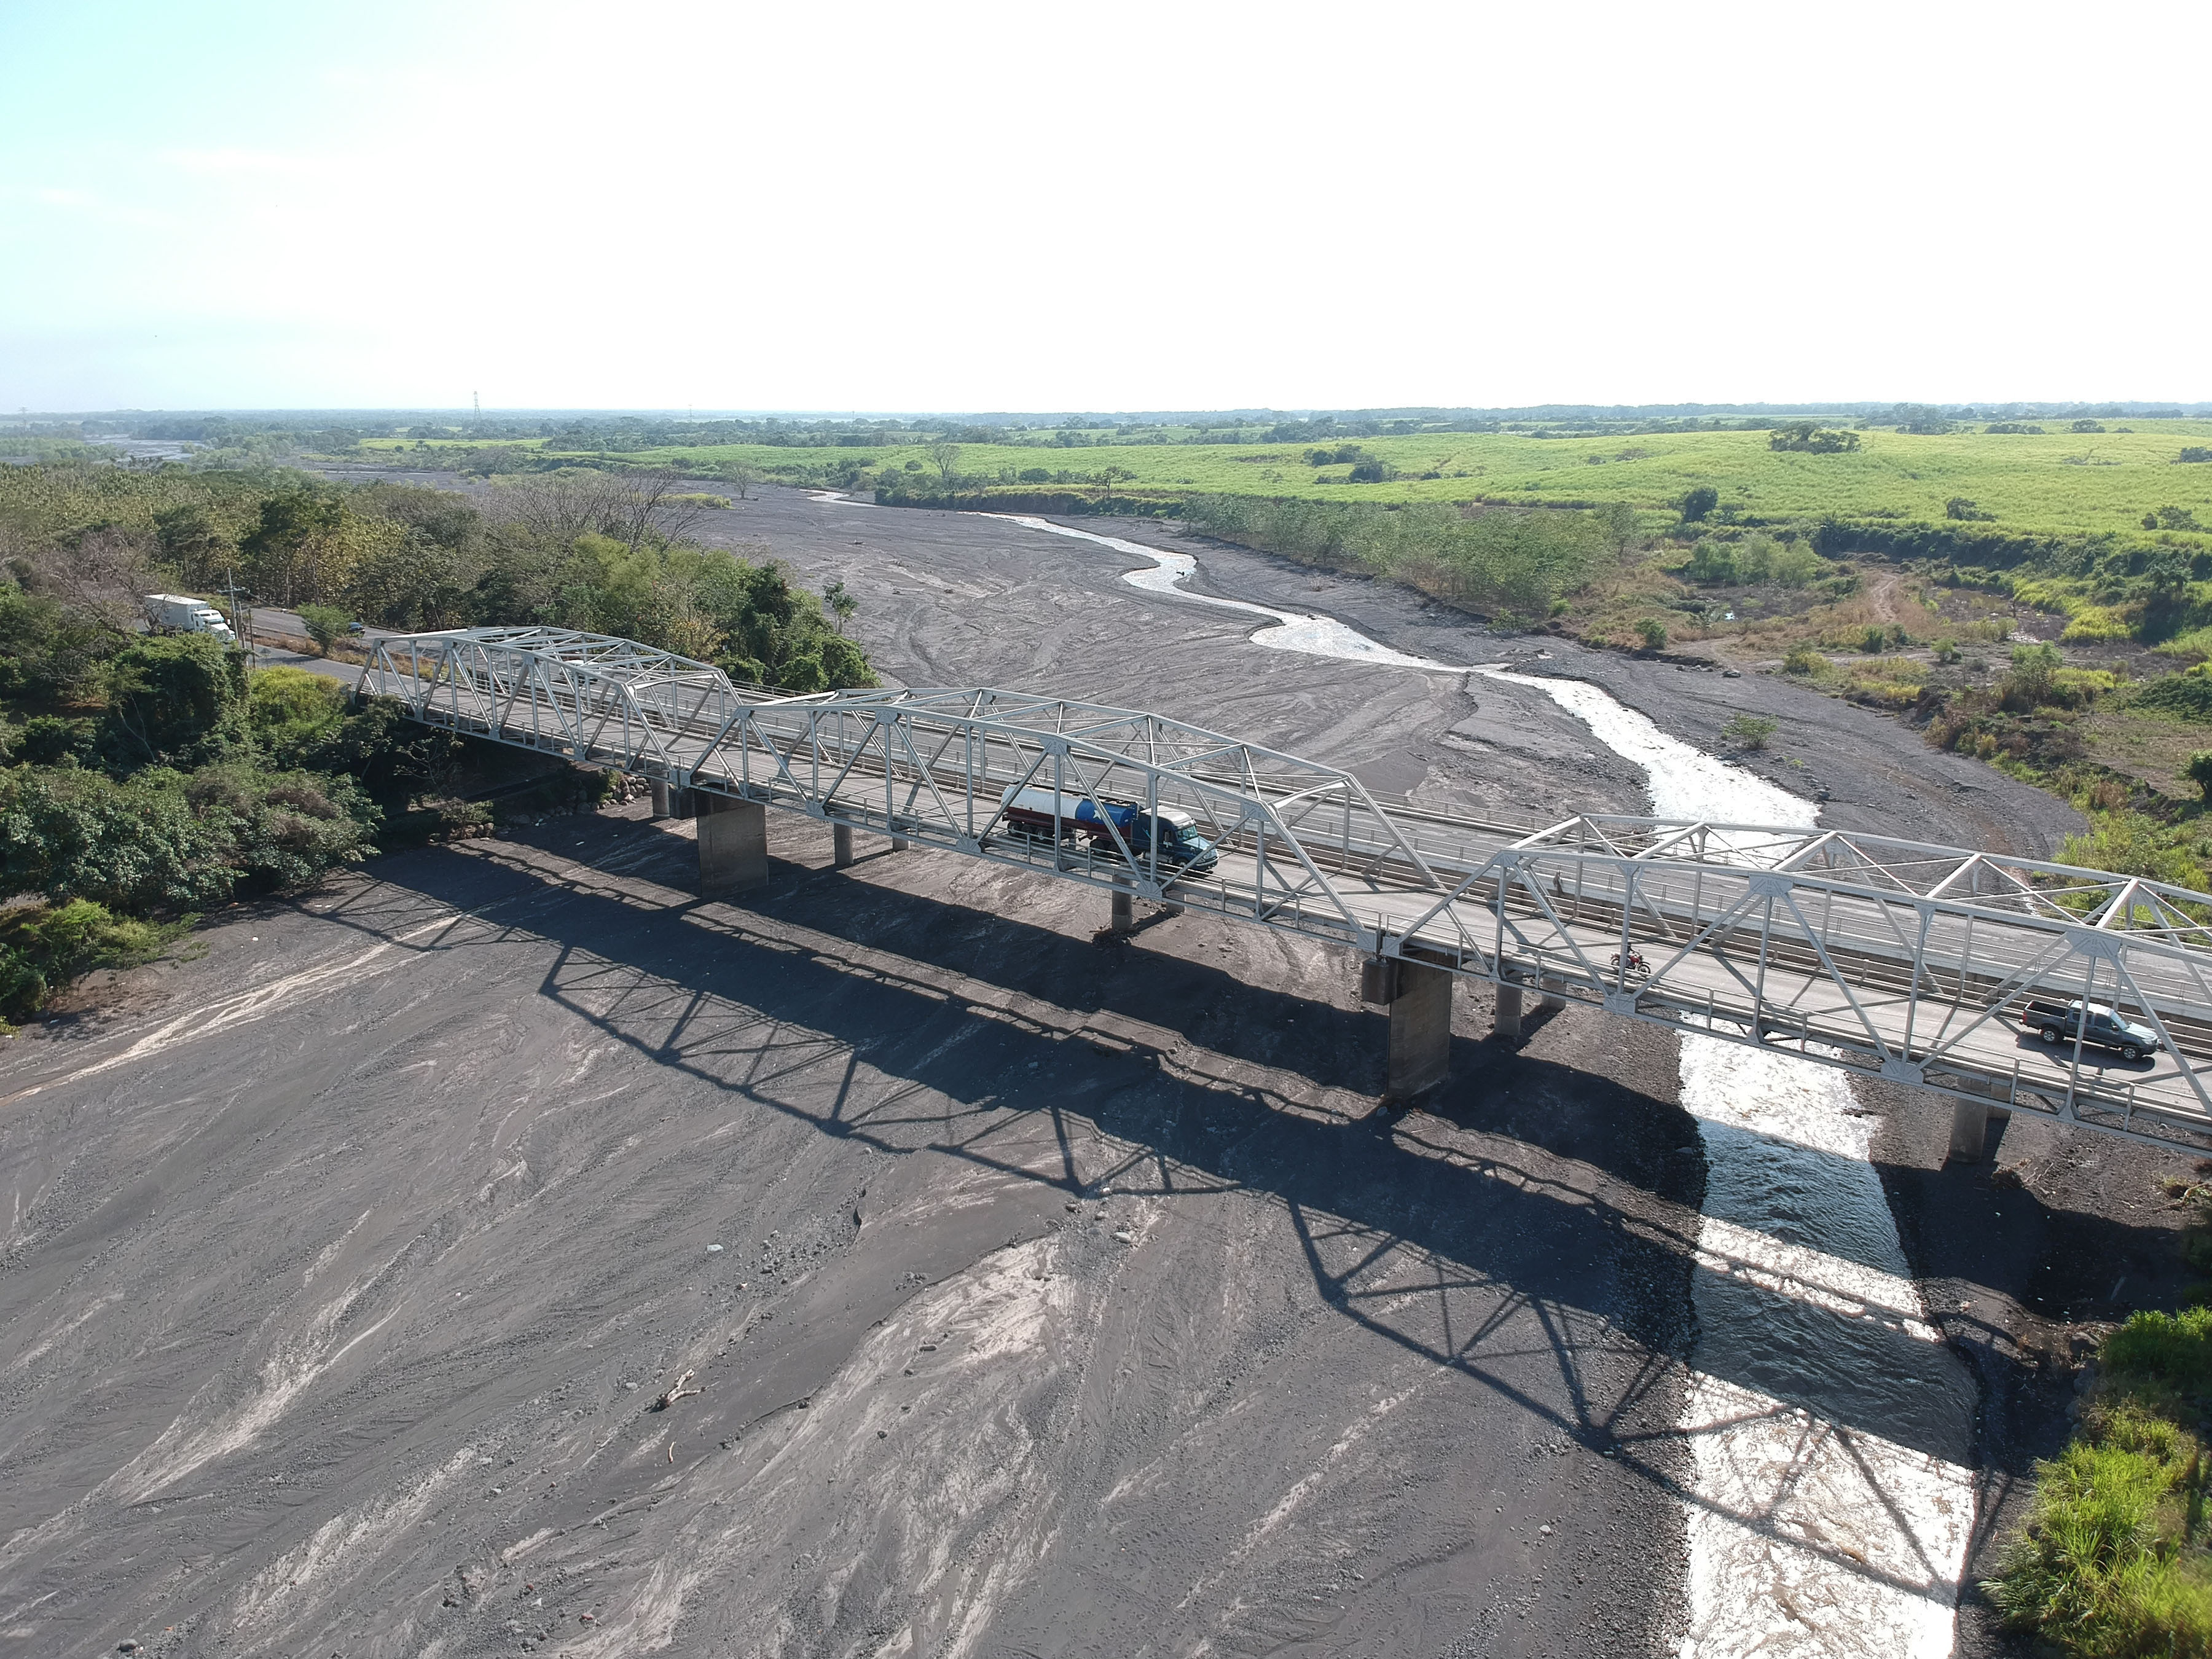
(1908, 962)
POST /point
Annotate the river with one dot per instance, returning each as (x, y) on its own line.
(1809, 1535)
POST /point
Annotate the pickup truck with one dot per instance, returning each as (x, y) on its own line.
(2055, 1023)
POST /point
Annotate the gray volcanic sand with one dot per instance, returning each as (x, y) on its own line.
(1072, 1298)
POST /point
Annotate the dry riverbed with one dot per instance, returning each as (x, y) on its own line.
(1070, 1294)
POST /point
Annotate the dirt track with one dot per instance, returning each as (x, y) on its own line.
(1072, 1298)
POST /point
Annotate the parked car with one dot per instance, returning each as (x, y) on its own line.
(2056, 1022)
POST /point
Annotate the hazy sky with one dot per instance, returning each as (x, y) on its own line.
(965, 207)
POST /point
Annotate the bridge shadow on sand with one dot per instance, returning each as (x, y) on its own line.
(1525, 1196)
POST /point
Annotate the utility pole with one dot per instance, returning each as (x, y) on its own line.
(241, 618)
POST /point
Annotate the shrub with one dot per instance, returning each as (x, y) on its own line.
(2199, 770)
(1653, 633)
(327, 624)
(1699, 503)
(164, 841)
(132, 846)
(842, 664)
(2034, 668)
(2196, 453)
(1803, 659)
(45, 738)
(1749, 731)
(2089, 426)
(44, 946)
(1947, 650)
(1873, 638)
(1372, 472)
(1964, 510)
(292, 712)
(1034, 475)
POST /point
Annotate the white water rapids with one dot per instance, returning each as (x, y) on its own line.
(1810, 1533)
(1824, 1518)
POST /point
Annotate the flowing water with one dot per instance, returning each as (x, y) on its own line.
(1288, 630)
(1829, 1509)
(1829, 1506)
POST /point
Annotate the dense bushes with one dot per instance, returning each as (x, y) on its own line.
(44, 946)
(1516, 560)
(1809, 438)
(164, 840)
(2180, 696)
(598, 551)
(1756, 560)
(2111, 1562)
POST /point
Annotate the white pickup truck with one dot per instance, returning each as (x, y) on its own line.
(173, 613)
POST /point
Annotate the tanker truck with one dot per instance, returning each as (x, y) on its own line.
(1029, 814)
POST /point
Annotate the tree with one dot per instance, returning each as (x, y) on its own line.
(327, 625)
(1699, 502)
(173, 700)
(743, 477)
(841, 602)
(1619, 520)
(101, 578)
(2199, 770)
(1808, 438)
(946, 456)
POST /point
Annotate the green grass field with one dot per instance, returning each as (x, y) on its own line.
(2056, 483)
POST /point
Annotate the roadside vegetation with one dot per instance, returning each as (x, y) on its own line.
(145, 778)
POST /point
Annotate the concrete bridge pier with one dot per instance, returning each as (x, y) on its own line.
(898, 843)
(1555, 996)
(1970, 1130)
(840, 846)
(659, 799)
(1125, 911)
(732, 843)
(1508, 1021)
(1419, 998)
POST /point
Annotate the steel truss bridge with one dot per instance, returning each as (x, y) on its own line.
(1880, 956)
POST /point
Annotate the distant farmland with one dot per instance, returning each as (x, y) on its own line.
(2058, 483)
